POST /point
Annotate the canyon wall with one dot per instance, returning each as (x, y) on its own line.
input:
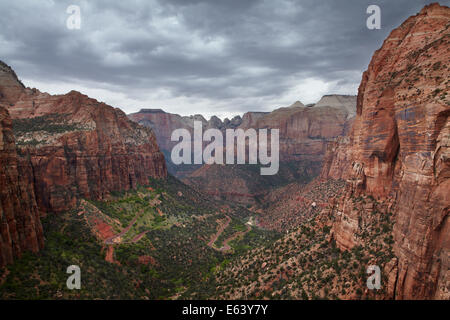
(398, 152)
(164, 123)
(20, 226)
(63, 148)
(304, 133)
(79, 147)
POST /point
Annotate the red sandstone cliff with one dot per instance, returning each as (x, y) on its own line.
(164, 124)
(79, 147)
(68, 147)
(20, 226)
(337, 160)
(399, 153)
(11, 87)
(305, 131)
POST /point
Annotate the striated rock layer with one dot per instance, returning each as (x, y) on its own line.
(20, 226)
(79, 147)
(399, 153)
(11, 87)
(304, 133)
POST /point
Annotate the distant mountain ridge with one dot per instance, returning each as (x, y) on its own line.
(339, 107)
(304, 134)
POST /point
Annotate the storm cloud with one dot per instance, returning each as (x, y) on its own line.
(220, 57)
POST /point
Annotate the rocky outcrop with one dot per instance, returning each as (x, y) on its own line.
(164, 123)
(337, 159)
(399, 154)
(249, 118)
(244, 183)
(81, 148)
(11, 87)
(20, 226)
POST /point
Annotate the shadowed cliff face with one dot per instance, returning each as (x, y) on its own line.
(20, 226)
(164, 123)
(399, 153)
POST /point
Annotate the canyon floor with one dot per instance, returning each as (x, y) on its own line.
(167, 241)
(154, 242)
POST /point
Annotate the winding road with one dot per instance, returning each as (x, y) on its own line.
(222, 227)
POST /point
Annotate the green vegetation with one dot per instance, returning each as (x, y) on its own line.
(51, 123)
(169, 260)
(307, 264)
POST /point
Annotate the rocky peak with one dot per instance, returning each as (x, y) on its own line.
(345, 102)
(249, 118)
(215, 122)
(233, 123)
(296, 104)
(198, 117)
(11, 87)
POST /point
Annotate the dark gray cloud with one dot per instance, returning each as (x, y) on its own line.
(196, 56)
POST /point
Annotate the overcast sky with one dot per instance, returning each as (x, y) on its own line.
(220, 57)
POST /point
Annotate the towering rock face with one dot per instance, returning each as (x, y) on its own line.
(55, 150)
(20, 226)
(399, 153)
(337, 159)
(76, 147)
(164, 124)
(305, 131)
